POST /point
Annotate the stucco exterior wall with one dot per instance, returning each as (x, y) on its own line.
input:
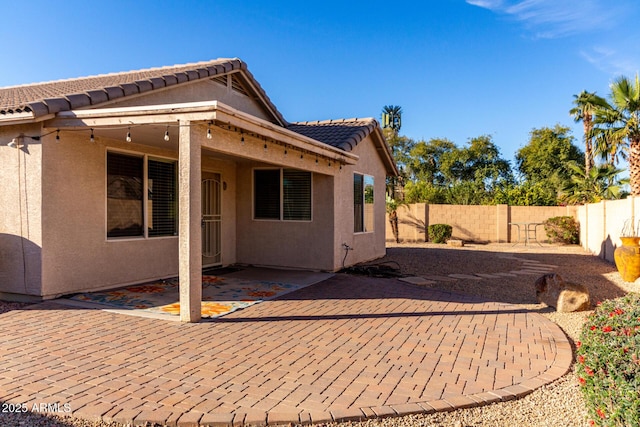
(196, 91)
(295, 244)
(77, 255)
(369, 245)
(20, 216)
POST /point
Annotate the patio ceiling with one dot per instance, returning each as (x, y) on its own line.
(148, 125)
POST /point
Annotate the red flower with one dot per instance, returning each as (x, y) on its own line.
(592, 423)
(607, 328)
(581, 359)
(600, 413)
(578, 344)
(593, 327)
(588, 370)
(582, 381)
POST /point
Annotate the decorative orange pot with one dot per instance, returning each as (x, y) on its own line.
(627, 258)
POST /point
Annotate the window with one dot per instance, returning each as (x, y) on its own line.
(363, 198)
(127, 215)
(124, 195)
(282, 194)
(162, 195)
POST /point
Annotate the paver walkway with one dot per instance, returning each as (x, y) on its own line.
(346, 348)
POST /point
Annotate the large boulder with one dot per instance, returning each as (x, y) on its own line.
(553, 291)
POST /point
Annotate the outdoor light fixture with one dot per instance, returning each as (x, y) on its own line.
(166, 134)
(92, 138)
(13, 143)
(129, 135)
(241, 137)
(58, 135)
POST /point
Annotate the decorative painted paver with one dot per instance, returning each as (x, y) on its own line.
(347, 348)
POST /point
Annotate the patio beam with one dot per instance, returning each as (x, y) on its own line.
(190, 216)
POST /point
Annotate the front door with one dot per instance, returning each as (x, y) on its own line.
(211, 219)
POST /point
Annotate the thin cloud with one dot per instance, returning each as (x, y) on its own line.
(553, 18)
(613, 61)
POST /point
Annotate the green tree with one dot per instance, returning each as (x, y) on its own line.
(424, 192)
(585, 106)
(425, 159)
(526, 193)
(618, 126)
(544, 159)
(600, 183)
(479, 162)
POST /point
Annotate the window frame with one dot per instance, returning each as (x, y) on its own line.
(281, 194)
(145, 196)
(363, 215)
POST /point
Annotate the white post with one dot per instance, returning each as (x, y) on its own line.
(190, 228)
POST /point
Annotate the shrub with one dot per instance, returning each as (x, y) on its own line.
(563, 229)
(608, 365)
(439, 233)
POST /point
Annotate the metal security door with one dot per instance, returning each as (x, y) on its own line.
(211, 220)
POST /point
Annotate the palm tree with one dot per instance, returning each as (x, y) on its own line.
(618, 126)
(600, 183)
(585, 106)
(392, 117)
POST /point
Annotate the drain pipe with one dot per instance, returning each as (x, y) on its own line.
(347, 248)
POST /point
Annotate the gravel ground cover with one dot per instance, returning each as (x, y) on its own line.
(557, 404)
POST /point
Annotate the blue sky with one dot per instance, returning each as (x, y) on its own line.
(458, 68)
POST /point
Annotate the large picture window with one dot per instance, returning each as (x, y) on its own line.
(363, 198)
(282, 194)
(127, 214)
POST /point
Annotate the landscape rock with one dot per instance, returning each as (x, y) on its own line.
(553, 291)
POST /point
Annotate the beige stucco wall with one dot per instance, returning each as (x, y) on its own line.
(197, 91)
(601, 224)
(20, 219)
(295, 244)
(76, 253)
(366, 246)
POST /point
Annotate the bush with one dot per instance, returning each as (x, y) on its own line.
(562, 229)
(439, 233)
(608, 364)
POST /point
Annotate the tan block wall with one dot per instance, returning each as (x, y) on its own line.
(472, 222)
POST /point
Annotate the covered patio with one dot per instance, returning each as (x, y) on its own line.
(208, 133)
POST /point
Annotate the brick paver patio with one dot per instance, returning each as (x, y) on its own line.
(344, 349)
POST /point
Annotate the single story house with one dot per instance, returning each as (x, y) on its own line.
(123, 178)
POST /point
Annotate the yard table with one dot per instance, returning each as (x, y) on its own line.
(527, 231)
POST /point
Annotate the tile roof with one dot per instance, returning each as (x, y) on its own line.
(40, 99)
(60, 95)
(344, 133)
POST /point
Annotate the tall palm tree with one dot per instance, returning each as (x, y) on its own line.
(618, 124)
(392, 117)
(585, 105)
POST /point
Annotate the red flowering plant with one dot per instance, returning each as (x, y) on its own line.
(608, 362)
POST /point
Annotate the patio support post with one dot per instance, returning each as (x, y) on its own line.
(190, 228)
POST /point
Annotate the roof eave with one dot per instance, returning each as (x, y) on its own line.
(385, 152)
